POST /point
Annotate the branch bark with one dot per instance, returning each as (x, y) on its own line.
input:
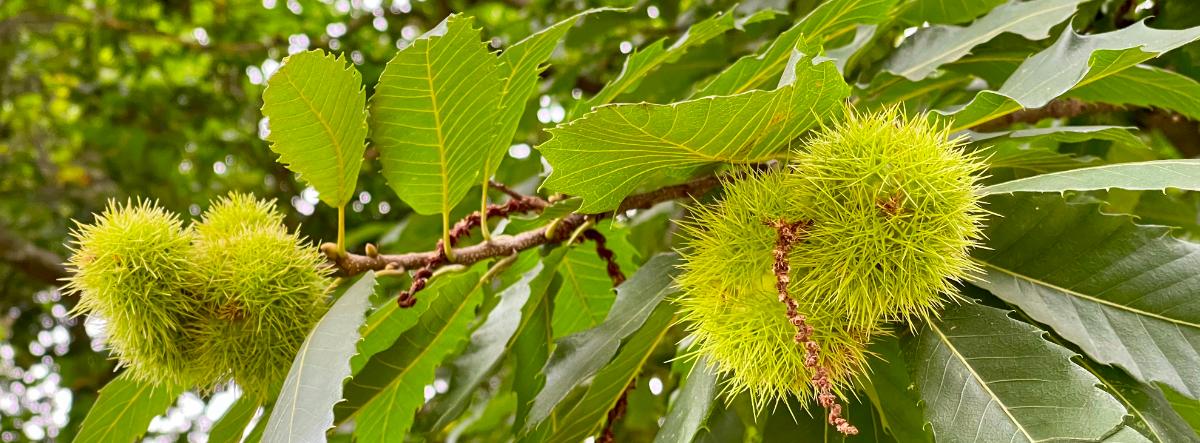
(350, 264)
(1058, 108)
(37, 263)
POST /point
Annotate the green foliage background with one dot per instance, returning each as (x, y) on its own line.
(108, 99)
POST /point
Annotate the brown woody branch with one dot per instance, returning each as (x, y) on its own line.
(350, 264)
(37, 263)
(1058, 108)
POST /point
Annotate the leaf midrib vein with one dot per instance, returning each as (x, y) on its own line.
(337, 145)
(1078, 294)
(954, 351)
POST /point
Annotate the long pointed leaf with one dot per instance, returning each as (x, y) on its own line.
(579, 356)
(828, 21)
(384, 396)
(1125, 294)
(124, 410)
(986, 377)
(304, 409)
(492, 340)
(691, 407)
(649, 58)
(1073, 61)
(1150, 175)
(521, 64)
(588, 415)
(606, 154)
(935, 46)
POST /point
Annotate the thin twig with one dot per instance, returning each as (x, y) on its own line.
(350, 264)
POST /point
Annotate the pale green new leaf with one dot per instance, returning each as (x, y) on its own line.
(1123, 293)
(434, 114)
(304, 409)
(656, 54)
(828, 21)
(986, 377)
(579, 356)
(929, 48)
(948, 11)
(587, 415)
(385, 395)
(124, 409)
(315, 108)
(691, 406)
(1145, 86)
(606, 154)
(492, 340)
(587, 290)
(520, 65)
(1150, 175)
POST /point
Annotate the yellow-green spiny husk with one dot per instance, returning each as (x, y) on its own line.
(131, 269)
(262, 289)
(895, 211)
(730, 305)
(229, 298)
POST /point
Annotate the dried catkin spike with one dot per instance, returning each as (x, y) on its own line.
(731, 305)
(131, 269)
(894, 209)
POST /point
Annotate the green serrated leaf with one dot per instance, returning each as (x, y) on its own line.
(891, 391)
(929, 48)
(434, 114)
(1121, 292)
(1081, 59)
(828, 21)
(587, 415)
(520, 65)
(492, 340)
(647, 59)
(1035, 151)
(315, 108)
(587, 291)
(986, 377)
(948, 11)
(579, 356)
(531, 350)
(606, 154)
(304, 409)
(1151, 413)
(386, 324)
(1150, 175)
(384, 396)
(1073, 61)
(124, 410)
(232, 425)
(1145, 86)
(691, 406)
